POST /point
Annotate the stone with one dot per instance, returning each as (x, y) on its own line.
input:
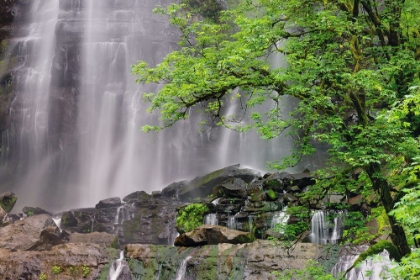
(136, 197)
(173, 189)
(231, 188)
(251, 261)
(25, 234)
(30, 211)
(203, 186)
(76, 261)
(7, 201)
(108, 203)
(213, 234)
(103, 239)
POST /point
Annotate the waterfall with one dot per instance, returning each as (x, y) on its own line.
(119, 269)
(182, 269)
(279, 220)
(76, 113)
(369, 269)
(57, 221)
(211, 219)
(231, 222)
(323, 232)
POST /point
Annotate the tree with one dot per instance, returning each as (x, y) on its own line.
(353, 66)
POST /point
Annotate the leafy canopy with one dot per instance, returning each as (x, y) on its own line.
(352, 65)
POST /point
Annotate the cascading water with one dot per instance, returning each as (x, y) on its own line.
(76, 116)
(370, 269)
(182, 269)
(323, 232)
(119, 269)
(211, 219)
(280, 219)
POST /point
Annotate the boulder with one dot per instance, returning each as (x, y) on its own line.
(26, 234)
(212, 234)
(136, 197)
(203, 186)
(233, 187)
(7, 201)
(30, 211)
(108, 203)
(173, 189)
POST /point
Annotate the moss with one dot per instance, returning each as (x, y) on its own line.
(8, 202)
(272, 195)
(115, 244)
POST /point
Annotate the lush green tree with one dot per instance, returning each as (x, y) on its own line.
(353, 65)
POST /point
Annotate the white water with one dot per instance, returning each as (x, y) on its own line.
(116, 267)
(211, 219)
(182, 269)
(279, 220)
(323, 232)
(369, 269)
(57, 221)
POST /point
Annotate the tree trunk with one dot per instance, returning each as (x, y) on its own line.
(381, 186)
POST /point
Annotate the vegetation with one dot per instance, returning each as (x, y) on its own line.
(190, 217)
(352, 65)
(56, 269)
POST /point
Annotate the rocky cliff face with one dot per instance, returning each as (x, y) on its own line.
(257, 260)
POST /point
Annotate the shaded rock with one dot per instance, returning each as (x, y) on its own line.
(211, 234)
(233, 187)
(203, 186)
(76, 261)
(25, 234)
(109, 202)
(136, 196)
(300, 180)
(101, 238)
(290, 197)
(7, 201)
(275, 182)
(173, 189)
(30, 211)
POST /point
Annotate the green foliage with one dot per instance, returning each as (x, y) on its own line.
(272, 194)
(56, 269)
(42, 276)
(354, 76)
(190, 217)
(311, 271)
(85, 270)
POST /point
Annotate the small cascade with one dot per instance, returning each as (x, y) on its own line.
(231, 222)
(119, 268)
(216, 201)
(57, 221)
(318, 228)
(182, 269)
(338, 228)
(322, 231)
(370, 269)
(250, 225)
(211, 219)
(280, 219)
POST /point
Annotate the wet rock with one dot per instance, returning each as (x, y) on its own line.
(210, 234)
(109, 202)
(173, 189)
(233, 187)
(7, 201)
(30, 211)
(25, 234)
(203, 186)
(136, 197)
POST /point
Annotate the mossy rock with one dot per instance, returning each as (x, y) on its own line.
(8, 201)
